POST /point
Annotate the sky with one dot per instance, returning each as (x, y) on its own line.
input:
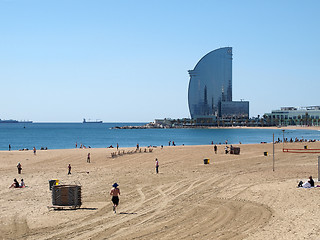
(128, 61)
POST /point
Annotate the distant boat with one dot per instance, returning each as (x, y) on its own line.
(25, 121)
(8, 121)
(13, 121)
(96, 121)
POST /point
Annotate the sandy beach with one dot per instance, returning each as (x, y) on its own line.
(233, 197)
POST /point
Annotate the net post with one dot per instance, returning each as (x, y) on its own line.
(273, 152)
(318, 168)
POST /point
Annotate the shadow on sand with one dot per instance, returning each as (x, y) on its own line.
(70, 208)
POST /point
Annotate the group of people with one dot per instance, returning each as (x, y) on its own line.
(81, 146)
(226, 149)
(16, 184)
(173, 143)
(295, 140)
(307, 184)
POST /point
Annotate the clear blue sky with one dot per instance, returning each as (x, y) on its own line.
(127, 60)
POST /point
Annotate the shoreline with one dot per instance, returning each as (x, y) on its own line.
(273, 127)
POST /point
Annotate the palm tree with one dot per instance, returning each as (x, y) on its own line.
(307, 119)
(262, 122)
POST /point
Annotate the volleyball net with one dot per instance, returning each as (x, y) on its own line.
(298, 150)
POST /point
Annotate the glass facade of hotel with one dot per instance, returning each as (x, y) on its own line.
(211, 84)
(235, 109)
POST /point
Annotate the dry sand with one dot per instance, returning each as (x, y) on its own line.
(233, 197)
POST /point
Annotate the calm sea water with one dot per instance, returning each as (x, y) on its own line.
(65, 135)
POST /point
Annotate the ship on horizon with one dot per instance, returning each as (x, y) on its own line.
(13, 121)
(89, 121)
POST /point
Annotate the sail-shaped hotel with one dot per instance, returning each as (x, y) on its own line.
(210, 89)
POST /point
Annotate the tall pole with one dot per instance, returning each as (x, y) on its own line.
(273, 152)
(318, 168)
(282, 140)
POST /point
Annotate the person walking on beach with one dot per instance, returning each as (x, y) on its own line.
(157, 165)
(215, 149)
(115, 192)
(19, 168)
(226, 149)
(88, 158)
(137, 146)
(76, 144)
(34, 150)
(117, 146)
(69, 169)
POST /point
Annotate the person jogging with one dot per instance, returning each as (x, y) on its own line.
(115, 192)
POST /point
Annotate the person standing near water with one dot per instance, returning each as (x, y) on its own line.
(9, 147)
(115, 192)
(34, 150)
(157, 165)
(88, 158)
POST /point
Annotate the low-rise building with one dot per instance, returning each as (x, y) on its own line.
(309, 115)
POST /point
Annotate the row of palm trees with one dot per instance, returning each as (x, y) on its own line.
(305, 120)
(265, 120)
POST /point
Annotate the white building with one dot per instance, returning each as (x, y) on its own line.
(294, 116)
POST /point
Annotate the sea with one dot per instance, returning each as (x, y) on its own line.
(95, 135)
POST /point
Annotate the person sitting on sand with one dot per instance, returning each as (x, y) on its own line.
(307, 184)
(115, 192)
(311, 181)
(22, 185)
(15, 184)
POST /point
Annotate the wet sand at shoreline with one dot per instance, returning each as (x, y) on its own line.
(233, 197)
